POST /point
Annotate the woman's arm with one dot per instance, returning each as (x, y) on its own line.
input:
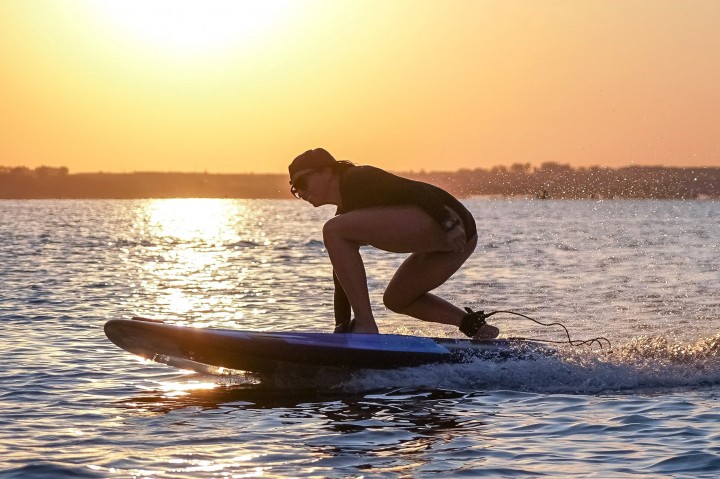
(341, 304)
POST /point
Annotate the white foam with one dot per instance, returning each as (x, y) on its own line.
(642, 364)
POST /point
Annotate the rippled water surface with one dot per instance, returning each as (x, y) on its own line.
(644, 274)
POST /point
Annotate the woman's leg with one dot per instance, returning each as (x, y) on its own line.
(349, 269)
(408, 291)
(402, 230)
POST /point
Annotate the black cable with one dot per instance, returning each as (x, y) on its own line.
(572, 342)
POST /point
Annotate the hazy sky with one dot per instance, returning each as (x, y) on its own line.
(244, 86)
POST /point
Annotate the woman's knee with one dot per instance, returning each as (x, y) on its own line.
(332, 230)
(395, 302)
(340, 226)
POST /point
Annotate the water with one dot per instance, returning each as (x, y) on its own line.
(644, 274)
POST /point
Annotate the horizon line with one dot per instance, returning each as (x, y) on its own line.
(530, 166)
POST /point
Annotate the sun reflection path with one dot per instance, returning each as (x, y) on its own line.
(199, 219)
(197, 256)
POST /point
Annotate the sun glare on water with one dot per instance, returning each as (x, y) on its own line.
(194, 219)
(193, 26)
(192, 258)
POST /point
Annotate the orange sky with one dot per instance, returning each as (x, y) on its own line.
(244, 86)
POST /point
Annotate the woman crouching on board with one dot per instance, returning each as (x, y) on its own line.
(393, 214)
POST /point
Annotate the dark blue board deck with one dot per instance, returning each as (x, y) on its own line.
(264, 352)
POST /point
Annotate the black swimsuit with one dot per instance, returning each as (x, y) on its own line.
(370, 187)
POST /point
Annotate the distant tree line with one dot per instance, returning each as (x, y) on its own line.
(44, 182)
(554, 180)
(550, 180)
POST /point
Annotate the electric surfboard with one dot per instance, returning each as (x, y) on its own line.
(207, 349)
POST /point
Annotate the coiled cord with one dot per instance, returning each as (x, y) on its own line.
(573, 342)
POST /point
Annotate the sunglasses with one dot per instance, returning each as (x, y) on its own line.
(299, 184)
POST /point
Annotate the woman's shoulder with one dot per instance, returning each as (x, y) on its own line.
(365, 173)
(361, 170)
(363, 186)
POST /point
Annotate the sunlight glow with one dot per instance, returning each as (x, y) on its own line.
(192, 235)
(175, 389)
(188, 26)
(193, 218)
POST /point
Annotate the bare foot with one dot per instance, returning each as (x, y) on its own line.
(487, 331)
(366, 327)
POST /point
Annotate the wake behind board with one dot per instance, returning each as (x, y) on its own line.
(265, 353)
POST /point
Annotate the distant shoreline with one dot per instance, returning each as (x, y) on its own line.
(550, 181)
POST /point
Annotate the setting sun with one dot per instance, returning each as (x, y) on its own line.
(193, 26)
